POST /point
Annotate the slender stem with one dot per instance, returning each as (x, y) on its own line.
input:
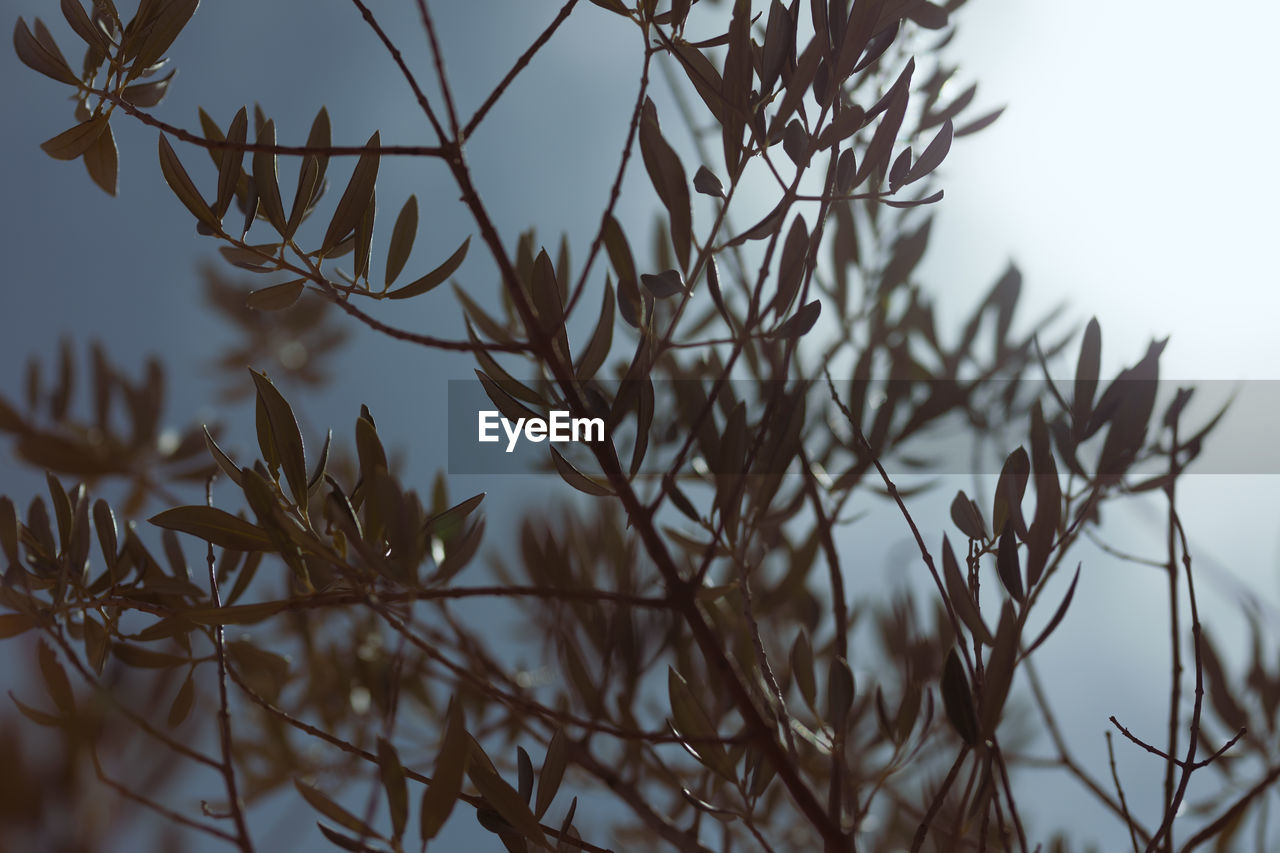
(922, 831)
(1115, 777)
(520, 65)
(224, 716)
(255, 147)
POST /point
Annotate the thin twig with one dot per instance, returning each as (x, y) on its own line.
(227, 765)
(438, 58)
(256, 147)
(164, 811)
(520, 65)
(1115, 777)
(408, 75)
(922, 831)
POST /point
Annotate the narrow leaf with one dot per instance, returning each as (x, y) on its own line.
(180, 182)
(70, 144)
(434, 278)
(214, 525)
(355, 199)
(577, 479)
(276, 297)
(402, 236)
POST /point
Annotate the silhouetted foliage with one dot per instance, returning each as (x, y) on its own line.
(690, 609)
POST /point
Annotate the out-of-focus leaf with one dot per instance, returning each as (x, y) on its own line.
(791, 267)
(504, 799)
(840, 689)
(1087, 369)
(55, 680)
(393, 781)
(1044, 527)
(321, 802)
(980, 123)
(38, 717)
(552, 773)
(802, 670)
(142, 657)
(180, 708)
(524, 771)
(957, 700)
(1057, 615)
(13, 624)
(1221, 695)
(695, 727)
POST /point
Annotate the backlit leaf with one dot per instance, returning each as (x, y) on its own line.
(214, 525)
(552, 773)
(598, 347)
(503, 798)
(38, 56)
(434, 278)
(402, 237)
(70, 144)
(357, 196)
(276, 297)
(180, 182)
(957, 700)
(103, 162)
(321, 802)
(287, 437)
(801, 322)
(393, 782)
(576, 478)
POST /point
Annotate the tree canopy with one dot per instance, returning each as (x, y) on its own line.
(665, 649)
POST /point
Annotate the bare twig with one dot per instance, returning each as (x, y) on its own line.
(521, 64)
(227, 764)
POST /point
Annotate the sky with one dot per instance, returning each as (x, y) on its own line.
(1129, 175)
